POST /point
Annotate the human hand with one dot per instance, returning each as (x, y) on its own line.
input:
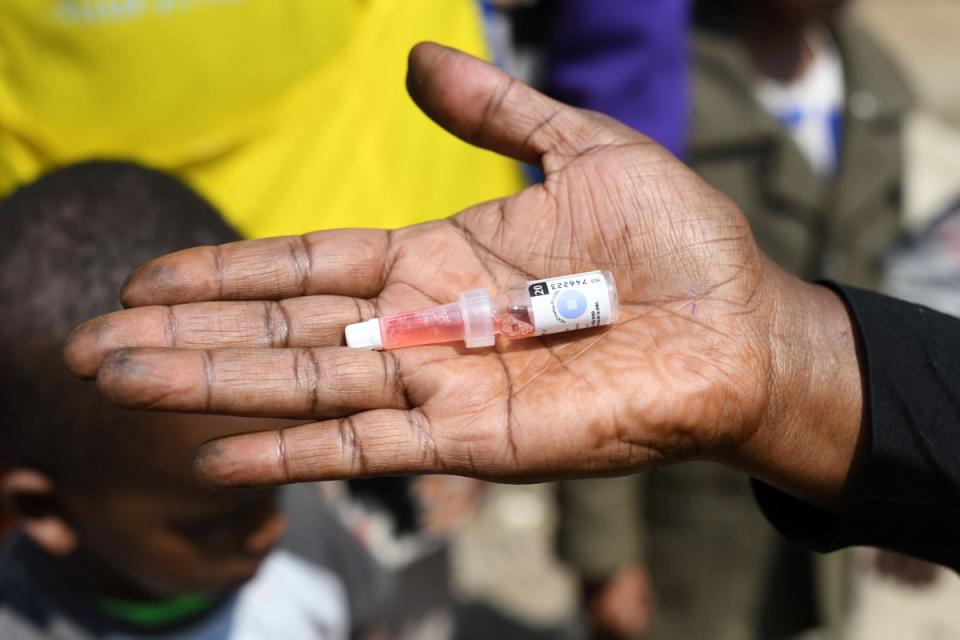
(712, 348)
(623, 605)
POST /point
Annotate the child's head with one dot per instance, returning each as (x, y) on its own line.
(110, 492)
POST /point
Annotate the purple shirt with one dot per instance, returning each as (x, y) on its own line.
(625, 58)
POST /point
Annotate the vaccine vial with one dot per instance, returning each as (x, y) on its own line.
(551, 305)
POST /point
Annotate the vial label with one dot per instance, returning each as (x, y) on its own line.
(568, 303)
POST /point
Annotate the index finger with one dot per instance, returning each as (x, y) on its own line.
(347, 262)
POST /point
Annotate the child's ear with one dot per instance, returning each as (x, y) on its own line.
(32, 499)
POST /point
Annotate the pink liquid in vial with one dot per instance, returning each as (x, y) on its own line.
(445, 324)
(514, 323)
(427, 326)
(477, 318)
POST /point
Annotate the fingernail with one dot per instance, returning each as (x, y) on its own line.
(239, 461)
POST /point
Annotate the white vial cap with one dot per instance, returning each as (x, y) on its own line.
(477, 319)
(365, 335)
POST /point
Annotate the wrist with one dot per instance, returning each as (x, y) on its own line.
(811, 435)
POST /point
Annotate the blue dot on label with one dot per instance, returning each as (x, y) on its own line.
(571, 304)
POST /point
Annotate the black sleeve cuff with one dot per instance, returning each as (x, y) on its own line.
(908, 497)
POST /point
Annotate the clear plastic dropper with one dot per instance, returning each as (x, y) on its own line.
(552, 305)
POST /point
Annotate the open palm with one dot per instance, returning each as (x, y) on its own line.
(255, 328)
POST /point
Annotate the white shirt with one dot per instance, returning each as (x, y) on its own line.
(811, 106)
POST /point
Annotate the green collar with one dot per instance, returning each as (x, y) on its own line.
(155, 614)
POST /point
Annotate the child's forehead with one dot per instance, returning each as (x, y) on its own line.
(178, 430)
(163, 443)
(94, 444)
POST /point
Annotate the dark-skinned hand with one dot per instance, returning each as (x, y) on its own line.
(712, 356)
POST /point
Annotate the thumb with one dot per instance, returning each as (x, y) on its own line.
(486, 107)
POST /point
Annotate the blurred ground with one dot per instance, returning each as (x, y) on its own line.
(888, 611)
(504, 559)
(925, 36)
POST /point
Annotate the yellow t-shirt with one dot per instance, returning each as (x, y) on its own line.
(289, 115)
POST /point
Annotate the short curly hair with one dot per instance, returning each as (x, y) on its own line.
(67, 243)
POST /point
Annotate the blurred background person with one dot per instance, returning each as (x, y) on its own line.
(288, 117)
(797, 116)
(627, 59)
(114, 537)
